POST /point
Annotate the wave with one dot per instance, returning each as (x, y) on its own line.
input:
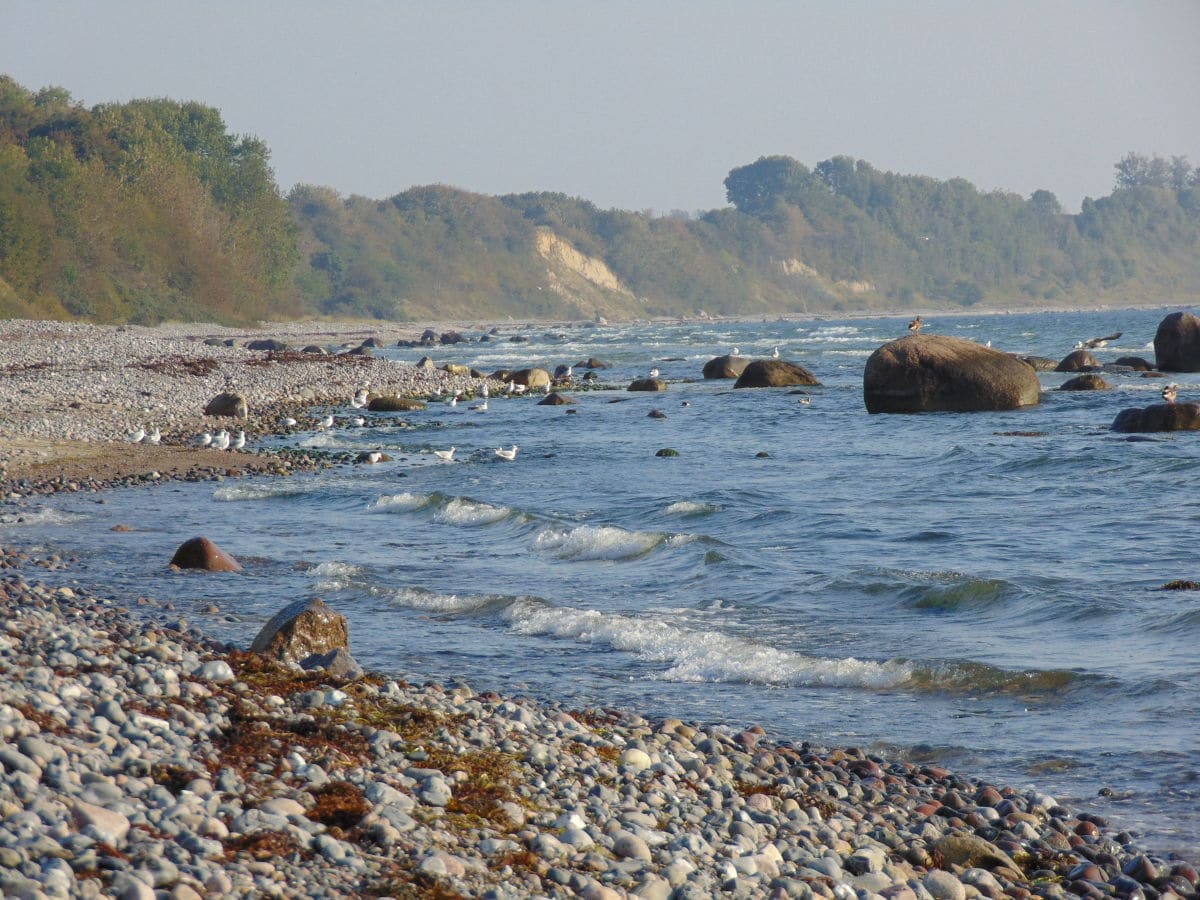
(962, 593)
(431, 601)
(700, 656)
(405, 502)
(981, 679)
(42, 516)
(690, 508)
(335, 570)
(604, 542)
(265, 491)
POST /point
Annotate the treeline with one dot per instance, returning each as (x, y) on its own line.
(141, 212)
(151, 210)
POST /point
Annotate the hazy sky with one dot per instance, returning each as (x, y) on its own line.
(644, 104)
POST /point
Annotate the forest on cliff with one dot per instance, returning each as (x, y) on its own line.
(151, 210)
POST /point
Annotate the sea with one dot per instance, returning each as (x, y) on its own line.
(982, 590)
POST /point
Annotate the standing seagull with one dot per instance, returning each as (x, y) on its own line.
(509, 454)
(735, 352)
(775, 353)
(654, 373)
(221, 440)
(1170, 392)
(136, 437)
(240, 441)
(154, 437)
(202, 440)
(915, 325)
(447, 455)
(326, 422)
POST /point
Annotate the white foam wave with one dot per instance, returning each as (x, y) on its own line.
(461, 511)
(322, 440)
(335, 570)
(689, 508)
(429, 601)
(266, 491)
(42, 516)
(597, 542)
(405, 502)
(830, 331)
(700, 656)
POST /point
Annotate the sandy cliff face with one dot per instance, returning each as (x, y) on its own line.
(566, 264)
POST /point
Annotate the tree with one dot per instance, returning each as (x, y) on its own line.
(756, 188)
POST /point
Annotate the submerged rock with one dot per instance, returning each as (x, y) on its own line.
(201, 553)
(1085, 383)
(648, 384)
(1077, 361)
(1159, 417)
(394, 404)
(765, 373)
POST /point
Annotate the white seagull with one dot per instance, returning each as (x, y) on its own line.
(486, 391)
(358, 421)
(654, 373)
(444, 454)
(735, 352)
(240, 441)
(480, 407)
(136, 437)
(775, 353)
(326, 422)
(509, 454)
(221, 440)
(1170, 392)
(289, 422)
(359, 400)
(154, 437)
(202, 440)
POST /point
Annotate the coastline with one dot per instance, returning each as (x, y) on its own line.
(601, 801)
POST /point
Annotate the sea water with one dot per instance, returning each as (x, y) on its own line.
(981, 590)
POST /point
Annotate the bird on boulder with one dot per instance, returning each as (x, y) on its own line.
(916, 324)
(1170, 392)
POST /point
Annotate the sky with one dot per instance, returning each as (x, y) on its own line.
(644, 105)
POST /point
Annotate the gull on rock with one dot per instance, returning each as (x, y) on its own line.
(654, 373)
(444, 454)
(358, 421)
(486, 391)
(735, 352)
(775, 353)
(509, 454)
(1170, 392)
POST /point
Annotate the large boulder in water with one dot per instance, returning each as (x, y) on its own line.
(227, 404)
(394, 404)
(726, 366)
(1087, 382)
(774, 373)
(531, 378)
(1077, 361)
(201, 553)
(1134, 362)
(933, 373)
(1159, 417)
(1177, 343)
(302, 629)
(647, 384)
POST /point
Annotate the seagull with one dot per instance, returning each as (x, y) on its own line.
(915, 325)
(447, 455)
(486, 392)
(1170, 392)
(805, 401)
(374, 456)
(1097, 343)
(358, 421)
(735, 352)
(520, 388)
(454, 399)
(480, 407)
(546, 388)
(326, 422)
(509, 454)
(686, 403)
(654, 373)
(775, 353)
(136, 437)
(359, 400)
(221, 440)
(240, 441)
(154, 437)
(202, 440)
(289, 422)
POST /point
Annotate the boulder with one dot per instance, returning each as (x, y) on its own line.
(428, 336)
(360, 350)
(301, 630)
(201, 553)
(338, 663)
(667, 452)
(648, 384)
(451, 337)
(933, 373)
(426, 363)
(394, 404)
(726, 367)
(372, 342)
(1040, 363)
(227, 404)
(554, 398)
(1134, 362)
(971, 851)
(774, 373)
(316, 349)
(1085, 383)
(266, 344)
(501, 375)
(1159, 417)
(457, 369)
(1177, 343)
(531, 378)
(1077, 361)
(592, 363)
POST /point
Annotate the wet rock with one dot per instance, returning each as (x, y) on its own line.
(592, 363)
(266, 344)
(201, 553)
(971, 851)
(554, 398)
(394, 404)
(338, 662)
(1177, 343)
(227, 405)
(932, 373)
(656, 414)
(1158, 417)
(725, 366)
(667, 451)
(764, 373)
(1085, 383)
(1040, 363)
(1136, 363)
(531, 378)
(648, 384)
(1077, 361)
(303, 629)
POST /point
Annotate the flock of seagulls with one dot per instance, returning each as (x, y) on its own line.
(222, 440)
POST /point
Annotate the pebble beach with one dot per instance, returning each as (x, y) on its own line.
(143, 759)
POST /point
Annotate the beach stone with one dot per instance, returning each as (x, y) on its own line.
(217, 671)
(394, 404)
(1085, 383)
(107, 825)
(302, 629)
(1039, 363)
(456, 369)
(201, 553)
(765, 373)
(933, 373)
(1177, 343)
(971, 851)
(635, 759)
(1077, 361)
(725, 366)
(1158, 417)
(630, 846)
(554, 398)
(228, 405)
(266, 344)
(338, 663)
(647, 384)
(531, 378)
(943, 886)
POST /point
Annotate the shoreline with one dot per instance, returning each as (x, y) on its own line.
(812, 816)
